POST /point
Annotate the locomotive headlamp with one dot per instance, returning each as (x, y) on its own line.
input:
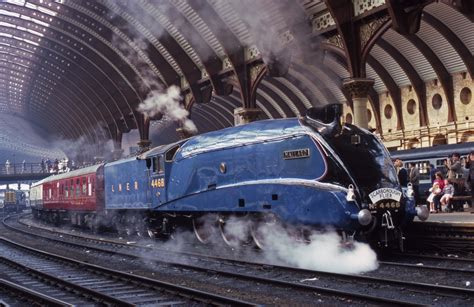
(364, 217)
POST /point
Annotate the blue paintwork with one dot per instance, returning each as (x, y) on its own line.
(119, 174)
(256, 179)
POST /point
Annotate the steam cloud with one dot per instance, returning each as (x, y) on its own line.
(323, 252)
(167, 102)
(82, 148)
(160, 100)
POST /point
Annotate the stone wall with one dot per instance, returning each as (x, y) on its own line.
(438, 130)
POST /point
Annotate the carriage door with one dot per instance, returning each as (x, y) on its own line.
(157, 180)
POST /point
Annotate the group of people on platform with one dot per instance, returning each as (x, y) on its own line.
(11, 168)
(57, 166)
(459, 177)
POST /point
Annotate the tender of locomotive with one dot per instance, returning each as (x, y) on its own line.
(302, 173)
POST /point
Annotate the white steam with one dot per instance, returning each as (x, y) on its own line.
(322, 252)
(160, 100)
(82, 148)
(167, 102)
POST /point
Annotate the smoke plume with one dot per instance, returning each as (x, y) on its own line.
(160, 100)
(167, 102)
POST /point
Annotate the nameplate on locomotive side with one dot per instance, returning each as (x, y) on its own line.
(385, 193)
(296, 154)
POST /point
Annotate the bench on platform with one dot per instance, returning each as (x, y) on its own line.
(456, 203)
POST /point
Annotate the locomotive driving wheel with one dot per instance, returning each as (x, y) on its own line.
(204, 229)
(259, 229)
(234, 231)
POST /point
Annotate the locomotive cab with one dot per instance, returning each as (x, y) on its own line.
(156, 168)
(159, 162)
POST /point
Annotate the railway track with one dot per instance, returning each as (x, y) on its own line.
(446, 237)
(301, 279)
(451, 261)
(63, 277)
(13, 294)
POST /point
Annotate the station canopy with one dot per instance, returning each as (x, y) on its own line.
(80, 69)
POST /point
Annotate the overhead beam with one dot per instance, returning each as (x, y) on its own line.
(453, 39)
(413, 76)
(444, 76)
(464, 6)
(406, 14)
(392, 87)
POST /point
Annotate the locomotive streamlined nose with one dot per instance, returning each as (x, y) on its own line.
(422, 213)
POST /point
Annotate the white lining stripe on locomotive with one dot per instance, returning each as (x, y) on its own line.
(291, 181)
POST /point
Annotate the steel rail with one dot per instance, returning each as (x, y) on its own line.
(356, 278)
(184, 292)
(31, 295)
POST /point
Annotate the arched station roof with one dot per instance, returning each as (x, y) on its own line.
(80, 68)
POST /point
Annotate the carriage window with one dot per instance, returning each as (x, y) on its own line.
(148, 163)
(441, 166)
(89, 186)
(84, 186)
(78, 187)
(424, 169)
(170, 154)
(66, 189)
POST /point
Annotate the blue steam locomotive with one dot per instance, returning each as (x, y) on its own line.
(302, 173)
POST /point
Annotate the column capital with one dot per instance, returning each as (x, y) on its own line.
(245, 115)
(358, 87)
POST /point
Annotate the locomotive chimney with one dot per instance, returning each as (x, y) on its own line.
(325, 119)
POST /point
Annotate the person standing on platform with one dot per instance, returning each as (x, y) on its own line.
(402, 173)
(414, 178)
(23, 167)
(470, 167)
(7, 167)
(454, 166)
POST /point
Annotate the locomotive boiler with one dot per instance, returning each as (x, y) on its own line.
(302, 173)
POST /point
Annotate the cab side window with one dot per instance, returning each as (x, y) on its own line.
(158, 164)
(170, 154)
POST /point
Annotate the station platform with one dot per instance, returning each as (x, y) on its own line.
(466, 217)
